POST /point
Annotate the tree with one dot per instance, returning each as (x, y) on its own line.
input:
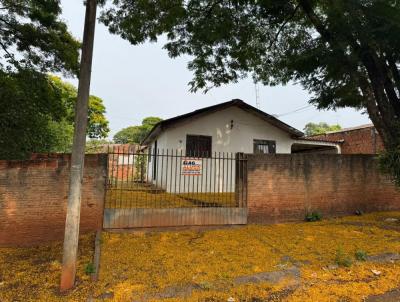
(128, 135)
(40, 117)
(97, 121)
(320, 128)
(96, 146)
(33, 41)
(29, 115)
(136, 134)
(345, 53)
(33, 37)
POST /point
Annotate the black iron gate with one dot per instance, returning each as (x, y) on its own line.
(148, 188)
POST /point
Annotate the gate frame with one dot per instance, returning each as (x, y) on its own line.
(135, 217)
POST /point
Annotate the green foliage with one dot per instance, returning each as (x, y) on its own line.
(136, 134)
(33, 42)
(38, 113)
(129, 135)
(62, 135)
(320, 128)
(30, 111)
(344, 53)
(274, 41)
(361, 255)
(389, 162)
(342, 259)
(97, 122)
(96, 146)
(90, 269)
(313, 216)
(32, 36)
(140, 167)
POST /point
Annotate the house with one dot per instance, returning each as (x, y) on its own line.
(362, 139)
(233, 126)
(205, 142)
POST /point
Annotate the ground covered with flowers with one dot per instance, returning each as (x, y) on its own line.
(353, 258)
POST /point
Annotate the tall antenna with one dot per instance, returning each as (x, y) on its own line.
(257, 95)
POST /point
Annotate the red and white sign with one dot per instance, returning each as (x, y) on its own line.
(191, 166)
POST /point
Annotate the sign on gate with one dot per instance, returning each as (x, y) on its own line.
(180, 190)
(191, 166)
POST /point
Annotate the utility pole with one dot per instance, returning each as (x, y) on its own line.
(71, 236)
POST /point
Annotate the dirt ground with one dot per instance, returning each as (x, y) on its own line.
(355, 258)
(128, 198)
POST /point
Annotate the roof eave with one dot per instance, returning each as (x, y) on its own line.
(155, 131)
(162, 125)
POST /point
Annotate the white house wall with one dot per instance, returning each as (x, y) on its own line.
(218, 175)
(246, 128)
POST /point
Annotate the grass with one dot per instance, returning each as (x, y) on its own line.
(137, 264)
(120, 199)
(141, 196)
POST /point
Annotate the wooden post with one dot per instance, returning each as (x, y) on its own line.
(71, 236)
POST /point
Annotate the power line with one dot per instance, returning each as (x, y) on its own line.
(294, 111)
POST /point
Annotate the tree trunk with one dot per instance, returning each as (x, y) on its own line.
(384, 97)
(71, 236)
(376, 83)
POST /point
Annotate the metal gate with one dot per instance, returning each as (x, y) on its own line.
(155, 188)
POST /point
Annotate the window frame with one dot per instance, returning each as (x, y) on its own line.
(271, 144)
(188, 151)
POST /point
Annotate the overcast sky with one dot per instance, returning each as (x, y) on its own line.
(140, 81)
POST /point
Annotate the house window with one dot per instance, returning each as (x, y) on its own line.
(198, 145)
(264, 146)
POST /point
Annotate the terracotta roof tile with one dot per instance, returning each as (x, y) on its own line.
(321, 139)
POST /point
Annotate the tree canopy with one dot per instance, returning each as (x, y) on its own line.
(33, 41)
(32, 36)
(345, 53)
(319, 128)
(25, 114)
(41, 120)
(136, 134)
(97, 122)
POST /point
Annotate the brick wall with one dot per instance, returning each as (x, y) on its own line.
(283, 187)
(122, 162)
(357, 141)
(33, 197)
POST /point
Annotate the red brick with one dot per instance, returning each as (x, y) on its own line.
(33, 197)
(283, 187)
(357, 141)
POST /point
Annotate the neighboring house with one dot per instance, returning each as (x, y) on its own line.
(363, 139)
(226, 128)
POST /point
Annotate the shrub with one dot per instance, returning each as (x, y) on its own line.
(342, 259)
(361, 255)
(90, 269)
(389, 162)
(313, 216)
